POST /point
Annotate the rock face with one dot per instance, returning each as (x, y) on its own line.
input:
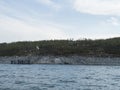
(74, 60)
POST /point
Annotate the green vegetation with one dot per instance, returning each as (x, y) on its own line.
(86, 47)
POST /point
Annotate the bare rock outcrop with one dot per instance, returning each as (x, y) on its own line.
(74, 60)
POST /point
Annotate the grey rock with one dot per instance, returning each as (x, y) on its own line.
(74, 60)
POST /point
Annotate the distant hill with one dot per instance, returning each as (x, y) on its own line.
(86, 47)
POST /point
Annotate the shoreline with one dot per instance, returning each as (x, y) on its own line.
(62, 60)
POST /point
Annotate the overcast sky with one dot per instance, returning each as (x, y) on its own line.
(24, 20)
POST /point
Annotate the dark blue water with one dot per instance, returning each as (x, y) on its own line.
(59, 77)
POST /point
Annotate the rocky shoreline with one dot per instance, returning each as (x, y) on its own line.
(70, 60)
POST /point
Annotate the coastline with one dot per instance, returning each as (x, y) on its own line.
(69, 60)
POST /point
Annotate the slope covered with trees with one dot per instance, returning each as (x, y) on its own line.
(86, 47)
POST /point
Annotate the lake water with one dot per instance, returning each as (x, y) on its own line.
(59, 77)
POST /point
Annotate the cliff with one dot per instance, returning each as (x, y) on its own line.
(82, 52)
(72, 60)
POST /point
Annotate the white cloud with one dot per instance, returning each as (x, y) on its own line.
(14, 30)
(50, 3)
(20, 26)
(114, 21)
(98, 7)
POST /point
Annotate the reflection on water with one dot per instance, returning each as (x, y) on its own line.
(59, 77)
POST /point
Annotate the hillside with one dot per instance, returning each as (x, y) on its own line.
(86, 47)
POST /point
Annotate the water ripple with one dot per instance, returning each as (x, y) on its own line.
(59, 77)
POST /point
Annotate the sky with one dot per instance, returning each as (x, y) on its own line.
(33, 20)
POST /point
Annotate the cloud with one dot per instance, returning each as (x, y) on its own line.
(14, 30)
(50, 3)
(20, 25)
(114, 21)
(98, 7)
(20, 21)
(111, 21)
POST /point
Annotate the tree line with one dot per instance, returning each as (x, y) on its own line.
(86, 47)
